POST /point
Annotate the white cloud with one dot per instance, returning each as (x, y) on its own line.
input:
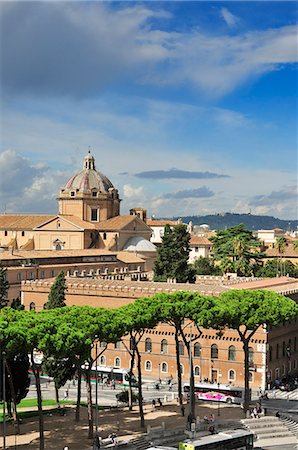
(131, 192)
(228, 17)
(93, 45)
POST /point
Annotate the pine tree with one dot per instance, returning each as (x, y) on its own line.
(172, 258)
(4, 286)
(56, 297)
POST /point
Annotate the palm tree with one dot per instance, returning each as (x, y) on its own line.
(295, 245)
(281, 246)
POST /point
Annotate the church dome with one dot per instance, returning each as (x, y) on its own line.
(88, 179)
(139, 244)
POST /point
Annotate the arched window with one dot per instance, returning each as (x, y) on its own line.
(232, 353)
(117, 362)
(32, 306)
(251, 357)
(164, 367)
(181, 348)
(214, 351)
(148, 366)
(277, 373)
(197, 371)
(232, 375)
(102, 360)
(164, 347)
(197, 350)
(104, 236)
(182, 369)
(250, 377)
(148, 345)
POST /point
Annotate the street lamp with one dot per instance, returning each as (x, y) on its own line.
(4, 400)
(218, 401)
(96, 386)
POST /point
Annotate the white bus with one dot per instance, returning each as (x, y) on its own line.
(226, 440)
(106, 375)
(213, 392)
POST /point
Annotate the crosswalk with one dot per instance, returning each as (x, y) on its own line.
(278, 394)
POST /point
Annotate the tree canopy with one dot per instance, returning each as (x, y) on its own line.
(4, 286)
(237, 249)
(172, 257)
(56, 297)
(206, 266)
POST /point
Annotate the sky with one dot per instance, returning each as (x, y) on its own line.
(189, 108)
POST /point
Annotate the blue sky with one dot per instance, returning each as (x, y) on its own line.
(188, 107)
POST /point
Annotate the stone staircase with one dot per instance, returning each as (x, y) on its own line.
(270, 430)
(290, 423)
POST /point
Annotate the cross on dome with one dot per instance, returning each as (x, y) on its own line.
(89, 161)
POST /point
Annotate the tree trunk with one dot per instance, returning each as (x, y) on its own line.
(77, 418)
(39, 403)
(57, 394)
(246, 376)
(140, 389)
(192, 399)
(130, 405)
(14, 400)
(89, 404)
(180, 395)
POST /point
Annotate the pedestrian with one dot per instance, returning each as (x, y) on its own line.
(153, 404)
(170, 385)
(66, 394)
(113, 384)
(159, 402)
(182, 411)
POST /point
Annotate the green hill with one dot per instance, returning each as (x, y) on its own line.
(252, 222)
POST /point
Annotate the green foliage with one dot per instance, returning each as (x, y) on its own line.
(4, 286)
(172, 257)
(16, 304)
(237, 249)
(123, 397)
(19, 366)
(56, 297)
(280, 244)
(61, 369)
(277, 267)
(206, 266)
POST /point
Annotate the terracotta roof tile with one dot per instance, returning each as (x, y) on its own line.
(117, 223)
(200, 240)
(22, 221)
(161, 223)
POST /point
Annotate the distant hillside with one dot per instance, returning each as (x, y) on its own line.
(226, 220)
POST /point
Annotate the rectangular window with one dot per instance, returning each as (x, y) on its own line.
(19, 276)
(31, 276)
(42, 274)
(94, 194)
(72, 194)
(94, 215)
(5, 233)
(23, 233)
(53, 273)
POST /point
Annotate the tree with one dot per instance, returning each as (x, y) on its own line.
(272, 269)
(172, 257)
(295, 245)
(206, 266)
(280, 244)
(13, 346)
(4, 286)
(56, 297)
(246, 311)
(237, 249)
(138, 317)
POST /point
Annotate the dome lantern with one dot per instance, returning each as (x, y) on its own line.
(89, 162)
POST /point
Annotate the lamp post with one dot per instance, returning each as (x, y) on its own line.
(192, 405)
(218, 402)
(4, 400)
(96, 386)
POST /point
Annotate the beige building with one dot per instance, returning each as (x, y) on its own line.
(89, 217)
(88, 225)
(217, 356)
